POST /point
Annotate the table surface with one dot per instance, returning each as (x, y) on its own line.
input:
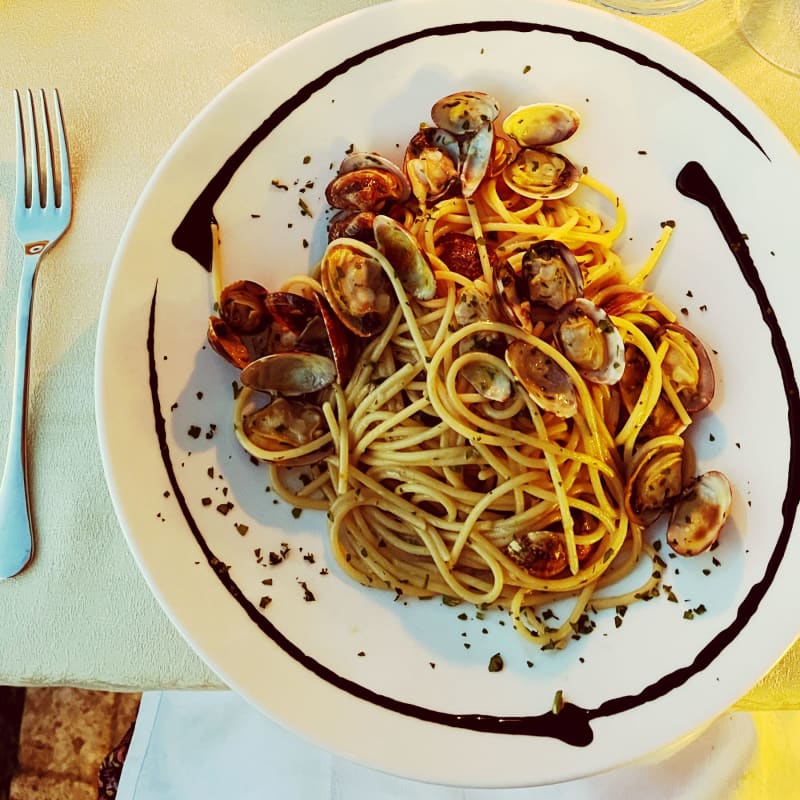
(132, 75)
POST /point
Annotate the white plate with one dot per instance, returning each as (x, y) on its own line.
(405, 687)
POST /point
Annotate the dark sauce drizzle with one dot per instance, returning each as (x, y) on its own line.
(193, 235)
(572, 724)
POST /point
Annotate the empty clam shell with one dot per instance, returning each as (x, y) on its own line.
(404, 254)
(544, 379)
(477, 156)
(541, 124)
(290, 374)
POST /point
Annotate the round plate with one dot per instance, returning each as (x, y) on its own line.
(405, 686)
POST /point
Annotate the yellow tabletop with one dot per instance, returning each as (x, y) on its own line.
(132, 75)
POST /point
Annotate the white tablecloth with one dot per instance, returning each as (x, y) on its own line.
(132, 75)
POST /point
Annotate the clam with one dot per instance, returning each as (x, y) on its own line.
(475, 305)
(464, 112)
(289, 311)
(663, 418)
(477, 153)
(591, 341)
(431, 163)
(688, 366)
(543, 554)
(406, 257)
(352, 225)
(340, 341)
(362, 160)
(552, 274)
(242, 306)
(549, 277)
(285, 424)
(367, 182)
(289, 374)
(227, 343)
(656, 479)
(547, 383)
(512, 294)
(355, 283)
(699, 514)
(541, 124)
(541, 174)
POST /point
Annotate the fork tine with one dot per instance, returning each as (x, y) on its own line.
(33, 155)
(21, 177)
(49, 176)
(63, 154)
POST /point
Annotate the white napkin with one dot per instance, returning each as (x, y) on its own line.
(210, 745)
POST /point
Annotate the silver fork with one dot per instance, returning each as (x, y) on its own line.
(39, 221)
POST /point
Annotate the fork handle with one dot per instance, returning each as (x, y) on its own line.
(16, 538)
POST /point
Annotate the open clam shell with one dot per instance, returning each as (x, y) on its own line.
(354, 280)
(549, 386)
(542, 174)
(432, 161)
(656, 479)
(590, 340)
(688, 364)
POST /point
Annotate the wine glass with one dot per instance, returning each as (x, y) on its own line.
(772, 27)
(649, 7)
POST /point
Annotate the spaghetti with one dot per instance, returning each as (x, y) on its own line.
(432, 484)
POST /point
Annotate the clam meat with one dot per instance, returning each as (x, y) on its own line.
(242, 306)
(552, 274)
(688, 366)
(432, 162)
(542, 554)
(352, 224)
(354, 280)
(367, 188)
(590, 340)
(541, 174)
(285, 424)
(549, 278)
